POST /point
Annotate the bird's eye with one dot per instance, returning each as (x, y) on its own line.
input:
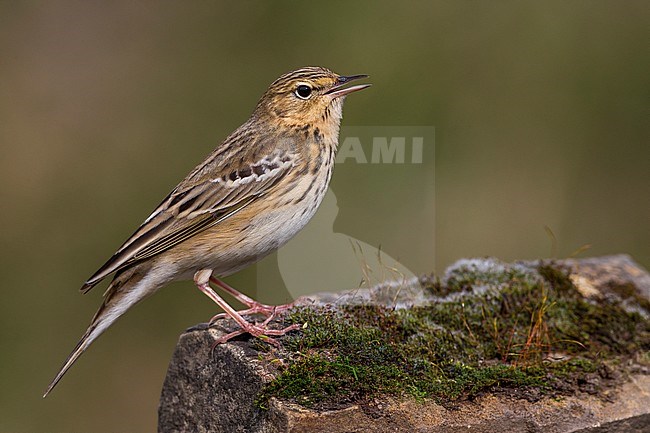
(303, 91)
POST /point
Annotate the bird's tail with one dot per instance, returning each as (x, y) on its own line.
(91, 334)
(126, 290)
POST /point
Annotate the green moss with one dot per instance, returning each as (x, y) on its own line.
(495, 330)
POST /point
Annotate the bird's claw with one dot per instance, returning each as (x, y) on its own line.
(258, 331)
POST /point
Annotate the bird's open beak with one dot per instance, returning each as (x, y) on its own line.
(339, 90)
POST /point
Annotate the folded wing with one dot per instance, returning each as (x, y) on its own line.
(196, 204)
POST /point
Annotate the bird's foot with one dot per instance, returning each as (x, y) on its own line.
(254, 307)
(260, 331)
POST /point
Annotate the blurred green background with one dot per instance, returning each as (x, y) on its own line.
(541, 118)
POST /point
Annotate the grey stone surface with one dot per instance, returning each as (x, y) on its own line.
(214, 389)
(211, 390)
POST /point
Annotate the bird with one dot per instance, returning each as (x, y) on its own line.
(252, 194)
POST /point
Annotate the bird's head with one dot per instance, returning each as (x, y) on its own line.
(307, 96)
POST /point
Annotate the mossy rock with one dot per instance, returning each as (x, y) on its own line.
(526, 329)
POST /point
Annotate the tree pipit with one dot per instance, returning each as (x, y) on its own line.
(251, 195)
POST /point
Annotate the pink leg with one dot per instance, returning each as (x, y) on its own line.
(254, 307)
(201, 279)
